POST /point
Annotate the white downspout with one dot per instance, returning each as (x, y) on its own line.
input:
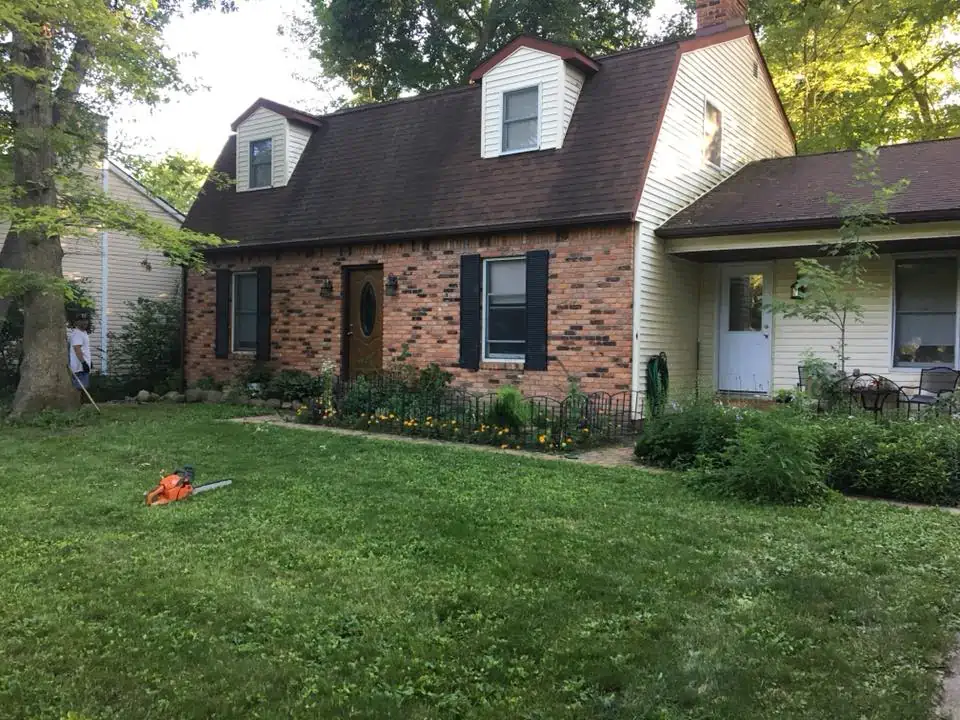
(104, 276)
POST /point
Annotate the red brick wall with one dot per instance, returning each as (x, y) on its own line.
(589, 322)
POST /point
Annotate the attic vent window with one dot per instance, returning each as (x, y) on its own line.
(261, 163)
(521, 122)
(712, 135)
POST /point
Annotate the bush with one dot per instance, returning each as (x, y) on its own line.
(901, 460)
(510, 410)
(676, 438)
(290, 385)
(146, 353)
(772, 459)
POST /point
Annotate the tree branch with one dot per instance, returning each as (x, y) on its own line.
(74, 75)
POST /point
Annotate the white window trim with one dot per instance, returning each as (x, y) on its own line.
(250, 184)
(483, 314)
(704, 162)
(233, 313)
(894, 367)
(503, 117)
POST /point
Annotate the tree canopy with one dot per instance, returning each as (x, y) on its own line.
(174, 177)
(381, 48)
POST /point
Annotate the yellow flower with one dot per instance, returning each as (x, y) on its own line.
(542, 439)
(504, 447)
(586, 430)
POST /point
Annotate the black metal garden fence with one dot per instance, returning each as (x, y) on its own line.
(408, 405)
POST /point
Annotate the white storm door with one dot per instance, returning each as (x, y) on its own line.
(744, 359)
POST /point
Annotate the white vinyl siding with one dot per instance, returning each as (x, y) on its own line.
(297, 138)
(263, 124)
(523, 69)
(667, 290)
(573, 84)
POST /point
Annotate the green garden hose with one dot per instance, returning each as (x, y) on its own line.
(658, 384)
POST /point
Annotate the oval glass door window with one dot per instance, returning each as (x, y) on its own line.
(368, 309)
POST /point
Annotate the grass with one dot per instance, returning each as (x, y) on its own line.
(342, 577)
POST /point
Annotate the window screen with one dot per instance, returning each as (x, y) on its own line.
(244, 311)
(712, 135)
(520, 119)
(505, 321)
(261, 163)
(926, 312)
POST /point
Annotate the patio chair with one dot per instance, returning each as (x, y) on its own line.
(935, 383)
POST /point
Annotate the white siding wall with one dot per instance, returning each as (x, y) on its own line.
(127, 276)
(524, 68)
(259, 126)
(297, 138)
(667, 290)
(572, 85)
(869, 344)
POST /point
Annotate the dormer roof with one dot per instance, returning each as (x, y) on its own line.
(292, 114)
(566, 53)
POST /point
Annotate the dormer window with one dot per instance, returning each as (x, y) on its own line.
(261, 163)
(521, 120)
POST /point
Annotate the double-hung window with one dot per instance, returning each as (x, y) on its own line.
(925, 332)
(521, 120)
(244, 311)
(261, 163)
(505, 309)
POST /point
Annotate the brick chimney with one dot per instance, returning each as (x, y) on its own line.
(717, 15)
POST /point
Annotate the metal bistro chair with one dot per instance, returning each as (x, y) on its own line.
(935, 383)
(876, 392)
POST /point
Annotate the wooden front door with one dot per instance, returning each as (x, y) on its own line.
(363, 322)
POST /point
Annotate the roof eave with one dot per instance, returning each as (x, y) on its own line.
(577, 221)
(904, 218)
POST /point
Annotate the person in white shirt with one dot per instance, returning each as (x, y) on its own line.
(79, 341)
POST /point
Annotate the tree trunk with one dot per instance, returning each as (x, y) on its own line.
(44, 376)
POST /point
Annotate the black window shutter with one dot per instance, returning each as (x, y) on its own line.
(263, 313)
(470, 269)
(538, 271)
(221, 345)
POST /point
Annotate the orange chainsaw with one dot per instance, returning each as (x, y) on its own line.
(179, 486)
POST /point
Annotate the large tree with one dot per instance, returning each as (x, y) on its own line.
(63, 67)
(859, 72)
(381, 48)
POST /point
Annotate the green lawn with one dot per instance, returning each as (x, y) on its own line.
(370, 579)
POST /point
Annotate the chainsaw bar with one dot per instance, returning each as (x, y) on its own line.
(212, 486)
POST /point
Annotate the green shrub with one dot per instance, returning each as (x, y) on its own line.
(509, 409)
(901, 460)
(207, 382)
(676, 438)
(772, 459)
(289, 385)
(146, 351)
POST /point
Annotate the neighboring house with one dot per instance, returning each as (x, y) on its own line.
(112, 266)
(511, 230)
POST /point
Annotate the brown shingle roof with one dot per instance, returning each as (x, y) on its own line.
(413, 167)
(794, 193)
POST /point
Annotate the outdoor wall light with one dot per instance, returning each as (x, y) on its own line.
(393, 284)
(326, 288)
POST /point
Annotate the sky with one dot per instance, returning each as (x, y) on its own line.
(234, 59)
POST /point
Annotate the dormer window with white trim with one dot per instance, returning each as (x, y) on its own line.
(261, 163)
(521, 119)
(530, 89)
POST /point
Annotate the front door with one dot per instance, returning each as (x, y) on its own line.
(363, 322)
(744, 360)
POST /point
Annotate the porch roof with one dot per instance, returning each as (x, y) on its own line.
(794, 193)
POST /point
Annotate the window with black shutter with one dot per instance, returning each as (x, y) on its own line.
(244, 316)
(505, 309)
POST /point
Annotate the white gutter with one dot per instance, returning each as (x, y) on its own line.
(104, 276)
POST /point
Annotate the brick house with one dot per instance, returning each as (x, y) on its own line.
(520, 230)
